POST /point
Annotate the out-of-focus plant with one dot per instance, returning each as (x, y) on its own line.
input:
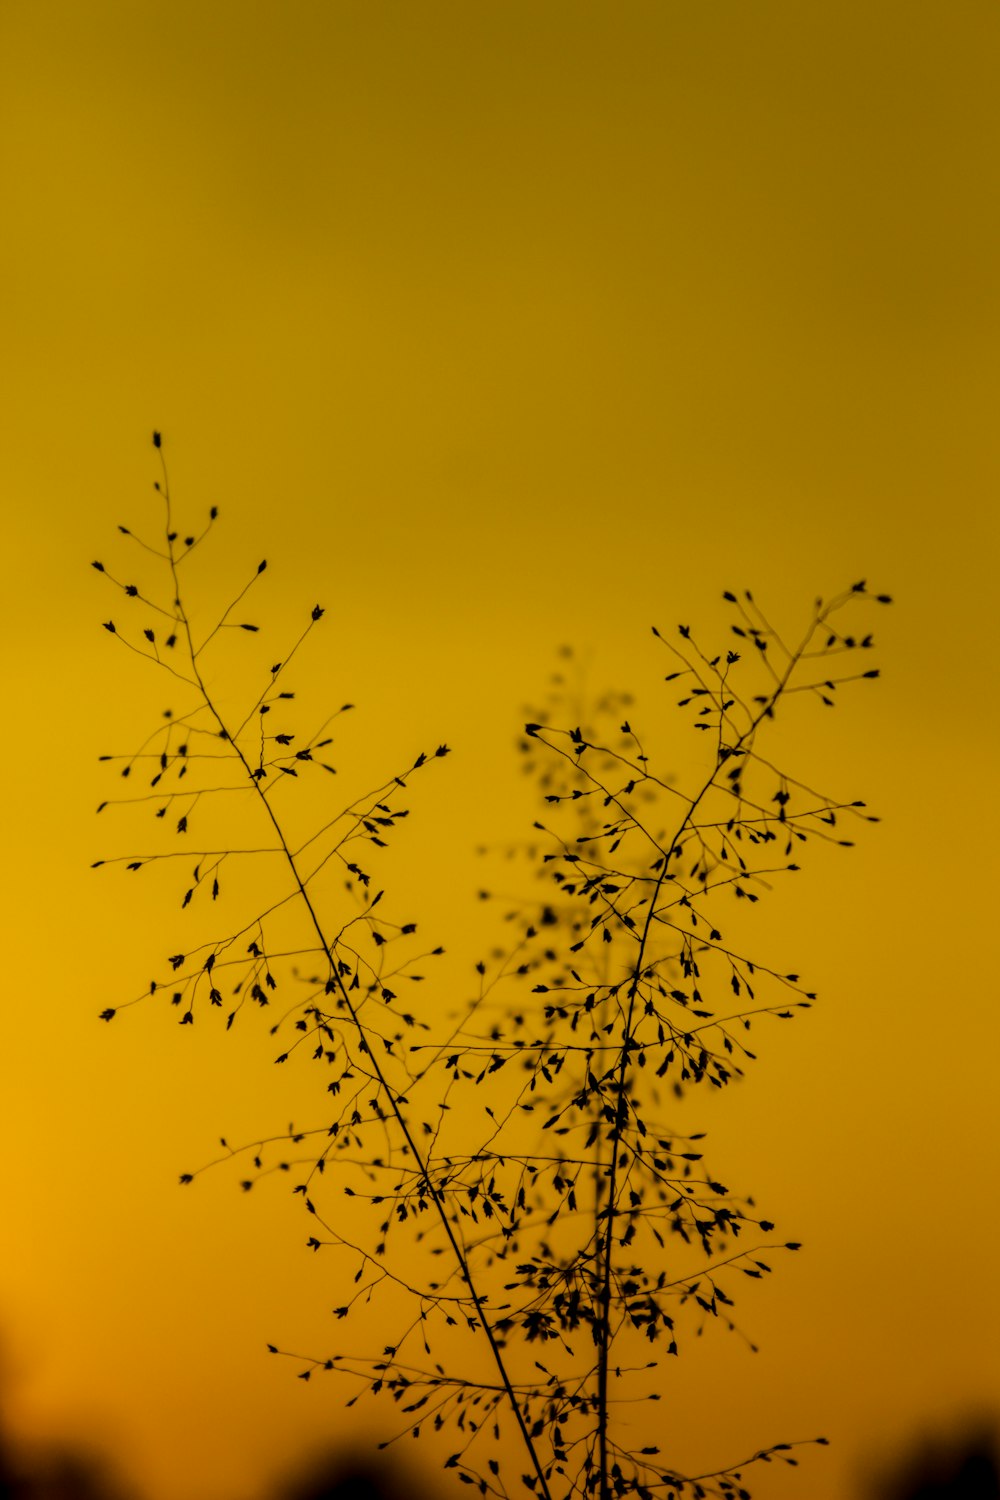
(574, 1239)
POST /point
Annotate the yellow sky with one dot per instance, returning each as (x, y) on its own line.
(493, 327)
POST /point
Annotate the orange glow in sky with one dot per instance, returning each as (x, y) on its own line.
(496, 327)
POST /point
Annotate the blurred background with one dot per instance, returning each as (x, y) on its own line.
(493, 328)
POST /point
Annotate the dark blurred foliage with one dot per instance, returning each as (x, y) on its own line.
(53, 1474)
(336, 1476)
(61, 1474)
(963, 1467)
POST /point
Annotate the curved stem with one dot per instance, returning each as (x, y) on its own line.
(388, 1091)
(606, 1251)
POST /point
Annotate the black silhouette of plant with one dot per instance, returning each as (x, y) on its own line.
(541, 1263)
(963, 1465)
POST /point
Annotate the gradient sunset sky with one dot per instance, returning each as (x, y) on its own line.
(496, 326)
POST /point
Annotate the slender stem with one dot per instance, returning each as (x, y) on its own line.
(460, 1257)
(606, 1252)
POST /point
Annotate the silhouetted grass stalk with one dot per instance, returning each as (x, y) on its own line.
(256, 784)
(586, 1051)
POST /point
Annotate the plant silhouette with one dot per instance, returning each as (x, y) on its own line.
(540, 1269)
(962, 1466)
(345, 1477)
